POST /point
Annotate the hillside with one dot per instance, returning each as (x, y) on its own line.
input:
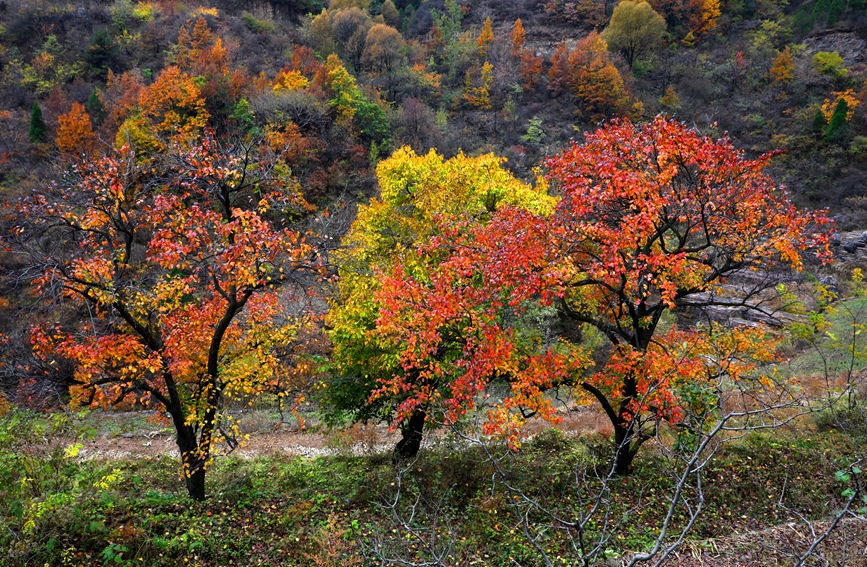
(597, 265)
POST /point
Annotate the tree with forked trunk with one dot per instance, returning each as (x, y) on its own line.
(651, 219)
(178, 259)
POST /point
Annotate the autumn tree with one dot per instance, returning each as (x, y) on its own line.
(120, 97)
(635, 30)
(384, 52)
(783, 68)
(179, 263)
(74, 131)
(486, 39)
(589, 74)
(422, 197)
(705, 19)
(519, 38)
(652, 220)
(390, 14)
(530, 63)
(171, 107)
(477, 86)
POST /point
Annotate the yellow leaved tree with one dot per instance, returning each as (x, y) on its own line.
(423, 198)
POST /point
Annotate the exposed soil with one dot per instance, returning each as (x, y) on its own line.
(269, 436)
(845, 546)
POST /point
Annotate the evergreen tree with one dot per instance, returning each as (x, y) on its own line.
(38, 129)
(837, 127)
(94, 106)
(819, 123)
(101, 52)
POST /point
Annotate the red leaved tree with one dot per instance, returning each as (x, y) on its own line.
(178, 262)
(652, 219)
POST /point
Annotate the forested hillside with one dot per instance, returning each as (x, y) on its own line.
(467, 221)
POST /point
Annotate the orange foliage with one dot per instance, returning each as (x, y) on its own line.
(602, 257)
(783, 68)
(74, 131)
(589, 74)
(486, 38)
(519, 37)
(173, 104)
(179, 267)
(531, 69)
(191, 43)
(120, 97)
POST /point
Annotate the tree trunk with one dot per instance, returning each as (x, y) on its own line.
(196, 484)
(408, 446)
(192, 462)
(625, 450)
(626, 445)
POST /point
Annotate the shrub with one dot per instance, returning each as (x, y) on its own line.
(830, 64)
(256, 25)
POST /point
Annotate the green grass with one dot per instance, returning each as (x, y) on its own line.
(285, 511)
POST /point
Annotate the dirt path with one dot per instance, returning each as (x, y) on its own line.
(268, 436)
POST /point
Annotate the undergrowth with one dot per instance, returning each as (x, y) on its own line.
(56, 509)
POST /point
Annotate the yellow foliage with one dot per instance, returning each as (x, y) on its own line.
(670, 98)
(831, 103)
(480, 96)
(783, 68)
(420, 196)
(291, 80)
(710, 12)
(486, 38)
(202, 11)
(144, 11)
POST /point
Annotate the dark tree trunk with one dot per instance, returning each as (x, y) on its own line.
(625, 450)
(193, 463)
(408, 446)
(196, 484)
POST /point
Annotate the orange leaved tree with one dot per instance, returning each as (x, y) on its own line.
(652, 219)
(178, 264)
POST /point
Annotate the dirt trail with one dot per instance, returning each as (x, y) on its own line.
(268, 437)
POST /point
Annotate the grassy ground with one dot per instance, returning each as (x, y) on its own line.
(57, 509)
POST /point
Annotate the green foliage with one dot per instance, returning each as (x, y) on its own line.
(243, 117)
(256, 25)
(275, 509)
(372, 122)
(635, 29)
(101, 52)
(819, 123)
(94, 106)
(535, 134)
(858, 148)
(837, 126)
(352, 107)
(390, 14)
(38, 129)
(830, 63)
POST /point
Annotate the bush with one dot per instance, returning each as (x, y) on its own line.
(256, 25)
(830, 64)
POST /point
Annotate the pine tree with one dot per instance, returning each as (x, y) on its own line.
(837, 127)
(819, 123)
(94, 106)
(38, 129)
